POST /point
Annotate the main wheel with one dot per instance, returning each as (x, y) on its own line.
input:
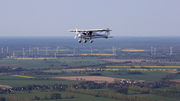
(79, 41)
(91, 41)
(85, 41)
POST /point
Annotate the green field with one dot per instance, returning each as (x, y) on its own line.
(18, 61)
(20, 83)
(136, 93)
(106, 89)
(147, 76)
(35, 63)
(174, 77)
(78, 97)
(151, 96)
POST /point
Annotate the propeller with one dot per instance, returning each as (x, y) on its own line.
(76, 34)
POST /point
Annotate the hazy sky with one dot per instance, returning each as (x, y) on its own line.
(55, 17)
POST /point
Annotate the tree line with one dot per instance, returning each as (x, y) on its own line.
(100, 93)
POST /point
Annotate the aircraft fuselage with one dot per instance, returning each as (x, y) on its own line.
(82, 36)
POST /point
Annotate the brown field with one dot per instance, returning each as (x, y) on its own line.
(88, 78)
(4, 87)
(175, 80)
(124, 60)
(98, 79)
(11, 64)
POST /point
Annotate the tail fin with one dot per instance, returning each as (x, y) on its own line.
(108, 32)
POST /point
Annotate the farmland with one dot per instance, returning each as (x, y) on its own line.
(51, 64)
(40, 63)
(63, 95)
(20, 83)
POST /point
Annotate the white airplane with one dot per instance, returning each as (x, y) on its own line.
(91, 34)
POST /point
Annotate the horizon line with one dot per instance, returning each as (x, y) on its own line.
(73, 36)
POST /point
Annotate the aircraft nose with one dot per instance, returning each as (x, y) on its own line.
(79, 35)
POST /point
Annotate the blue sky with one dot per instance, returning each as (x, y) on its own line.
(55, 17)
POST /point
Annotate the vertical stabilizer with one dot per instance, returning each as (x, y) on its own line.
(108, 32)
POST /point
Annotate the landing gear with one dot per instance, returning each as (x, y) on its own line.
(79, 41)
(85, 41)
(91, 41)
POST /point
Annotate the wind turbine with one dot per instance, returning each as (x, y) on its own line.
(37, 50)
(13, 54)
(7, 49)
(74, 50)
(29, 49)
(46, 50)
(2, 50)
(57, 49)
(23, 52)
(55, 54)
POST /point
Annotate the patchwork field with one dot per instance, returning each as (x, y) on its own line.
(146, 76)
(84, 60)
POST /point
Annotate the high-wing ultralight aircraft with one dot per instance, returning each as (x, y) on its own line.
(91, 34)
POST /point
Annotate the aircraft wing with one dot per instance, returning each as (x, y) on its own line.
(77, 30)
(90, 30)
(97, 30)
